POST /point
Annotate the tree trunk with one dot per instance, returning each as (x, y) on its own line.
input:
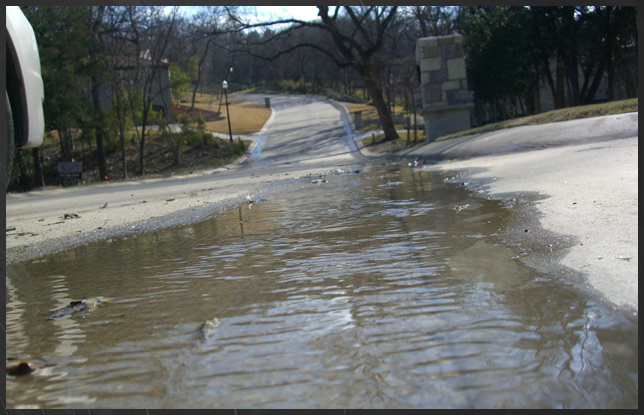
(39, 178)
(95, 25)
(123, 153)
(66, 143)
(601, 68)
(142, 142)
(413, 105)
(120, 115)
(199, 72)
(560, 92)
(611, 80)
(383, 110)
(102, 163)
(384, 114)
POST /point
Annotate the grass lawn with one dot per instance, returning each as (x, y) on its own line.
(377, 143)
(245, 117)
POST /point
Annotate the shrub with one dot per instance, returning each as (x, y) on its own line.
(239, 147)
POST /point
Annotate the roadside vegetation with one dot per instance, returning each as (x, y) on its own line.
(183, 147)
(286, 86)
(106, 68)
(379, 144)
(409, 134)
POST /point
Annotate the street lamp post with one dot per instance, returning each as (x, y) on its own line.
(224, 86)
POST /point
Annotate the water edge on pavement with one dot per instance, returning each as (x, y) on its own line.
(384, 288)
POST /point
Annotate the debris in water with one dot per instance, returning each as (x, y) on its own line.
(252, 201)
(78, 305)
(208, 329)
(19, 367)
(461, 208)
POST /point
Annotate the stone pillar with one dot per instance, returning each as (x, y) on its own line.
(446, 100)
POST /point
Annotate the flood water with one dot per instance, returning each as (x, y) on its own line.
(383, 288)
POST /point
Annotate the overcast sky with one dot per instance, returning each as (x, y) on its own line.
(298, 12)
(266, 13)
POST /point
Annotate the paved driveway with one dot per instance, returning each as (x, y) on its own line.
(305, 136)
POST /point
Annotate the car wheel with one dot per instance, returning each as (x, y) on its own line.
(11, 145)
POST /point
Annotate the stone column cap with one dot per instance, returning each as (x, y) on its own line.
(434, 39)
(429, 110)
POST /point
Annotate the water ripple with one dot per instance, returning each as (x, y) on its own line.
(371, 290)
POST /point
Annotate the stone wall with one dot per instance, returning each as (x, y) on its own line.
(446, 100)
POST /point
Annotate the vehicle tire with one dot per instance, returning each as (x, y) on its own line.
(11, 144)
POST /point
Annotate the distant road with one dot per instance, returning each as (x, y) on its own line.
(305, 130)
(305, 136)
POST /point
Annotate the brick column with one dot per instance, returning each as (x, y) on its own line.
(446, 100)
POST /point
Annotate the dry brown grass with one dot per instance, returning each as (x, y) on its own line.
(377, 143)
(245, 117)
(370, 118)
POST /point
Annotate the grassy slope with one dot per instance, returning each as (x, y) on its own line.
(584, 111)
(564, 114)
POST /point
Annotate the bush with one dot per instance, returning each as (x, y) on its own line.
(198, 139)
(239, 147)
(22, 173)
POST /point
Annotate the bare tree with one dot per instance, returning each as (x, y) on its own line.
(206, 27)
(94, 27)
(351, 37)
(113, 46)
(433, 20)
(149, 33)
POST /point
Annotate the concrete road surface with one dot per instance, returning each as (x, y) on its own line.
(304, 136)
(305, 131)
(586, 173)
(531, 137)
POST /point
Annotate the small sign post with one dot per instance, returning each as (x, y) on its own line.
(70, 172)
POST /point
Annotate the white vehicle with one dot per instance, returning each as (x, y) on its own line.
(24, 90)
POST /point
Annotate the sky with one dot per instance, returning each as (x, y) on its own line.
(298, 12)
(266, 13)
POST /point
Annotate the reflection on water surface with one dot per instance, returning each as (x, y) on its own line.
(387, 288)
